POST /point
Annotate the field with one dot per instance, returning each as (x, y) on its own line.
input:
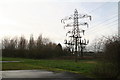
(83, 66)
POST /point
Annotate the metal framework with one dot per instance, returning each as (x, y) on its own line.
(76, 43)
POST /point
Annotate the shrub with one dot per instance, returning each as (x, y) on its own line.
(109, 64)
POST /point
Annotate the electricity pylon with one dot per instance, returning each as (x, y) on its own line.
(76, 43)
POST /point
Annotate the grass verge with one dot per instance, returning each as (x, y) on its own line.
(82, 67)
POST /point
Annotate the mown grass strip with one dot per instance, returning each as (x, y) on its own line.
(83, 66)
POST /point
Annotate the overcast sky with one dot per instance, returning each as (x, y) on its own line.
(25, 17)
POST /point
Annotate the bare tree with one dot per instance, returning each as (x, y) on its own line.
(22, 43)
(5, 43)
(39, 42)
(98, 44)
(31, 44)
(46, 41)
(9, 43)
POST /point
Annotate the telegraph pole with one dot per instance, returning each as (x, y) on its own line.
(75, 35)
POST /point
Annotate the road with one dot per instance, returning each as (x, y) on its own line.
(40, 74)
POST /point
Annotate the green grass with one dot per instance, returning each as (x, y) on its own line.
(82, 66)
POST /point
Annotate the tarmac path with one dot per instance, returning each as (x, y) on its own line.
(40, 75)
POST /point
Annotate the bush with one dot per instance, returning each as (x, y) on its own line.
(109, 64)
(106, 70)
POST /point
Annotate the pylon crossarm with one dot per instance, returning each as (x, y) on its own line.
(84, 16)
(68, 25)
(67, 18)
(84, 23)
(68, 32)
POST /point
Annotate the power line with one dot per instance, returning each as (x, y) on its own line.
(103, 29)
(108, 19)
(102, 16)
(99, 29)
(97, 7)
(102, 22)
(96, 28)
(102, 5)
(105, 25)
(114, 15)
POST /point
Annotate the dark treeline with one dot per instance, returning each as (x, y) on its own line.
(41, 48)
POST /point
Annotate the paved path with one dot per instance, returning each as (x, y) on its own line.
(39, 74)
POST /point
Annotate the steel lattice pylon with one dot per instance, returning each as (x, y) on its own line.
(75, 41)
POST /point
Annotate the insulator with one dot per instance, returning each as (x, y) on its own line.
(66, 34)
(87, 41)
(90, 18)
(62, 21)
(65, 41)
(82, 41)
(83, 31)
(69, 32)
(86, 24)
